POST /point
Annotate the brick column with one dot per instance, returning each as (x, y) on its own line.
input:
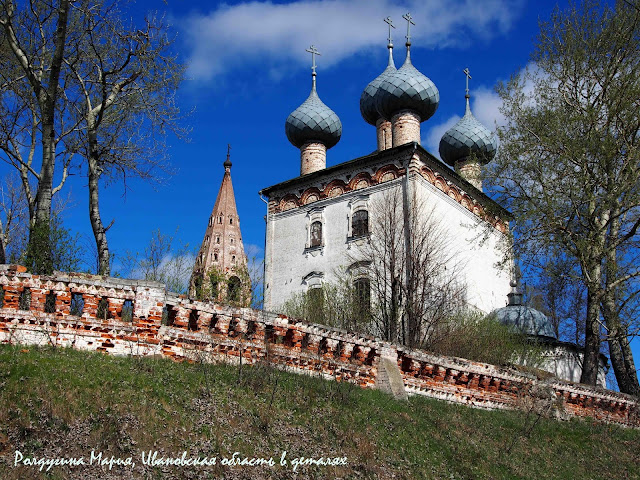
(405, 127)
(469, 169)
(383, 130)
(313, 157)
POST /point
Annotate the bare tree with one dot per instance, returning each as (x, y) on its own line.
(127, 79)
(14, 219)
(413, 270)
(164, 259)
(35, 41)
(77, 78)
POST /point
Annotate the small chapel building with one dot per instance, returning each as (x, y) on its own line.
(317, 221)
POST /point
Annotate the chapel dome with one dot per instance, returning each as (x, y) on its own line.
(368, 108)
(313, 121)
(407, 89)
(525, 319)
(468, 137)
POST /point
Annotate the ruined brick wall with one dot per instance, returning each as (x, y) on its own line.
(127, 317)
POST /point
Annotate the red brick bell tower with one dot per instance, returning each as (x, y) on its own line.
(220, 270)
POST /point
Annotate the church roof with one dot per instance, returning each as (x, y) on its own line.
(467, 137)
(313, 121)
(407, 89)
(389, 155)
(525, 319)
(222, 246)
(368, 108)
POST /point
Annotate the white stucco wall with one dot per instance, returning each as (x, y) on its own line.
(288, 261)
(477, 247)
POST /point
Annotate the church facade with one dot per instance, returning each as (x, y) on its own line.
(319, 225)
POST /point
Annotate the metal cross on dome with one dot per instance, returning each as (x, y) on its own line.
(228, 150)
(409, 19)
(468, 75)
(391, 25)
(313, 51)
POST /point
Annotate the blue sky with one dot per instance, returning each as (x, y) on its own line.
(248, 69)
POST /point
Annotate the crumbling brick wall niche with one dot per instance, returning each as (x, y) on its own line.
(130, 317)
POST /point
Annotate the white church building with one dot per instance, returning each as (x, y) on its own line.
(317, 221)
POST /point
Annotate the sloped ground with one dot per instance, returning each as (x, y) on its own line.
(59, 403)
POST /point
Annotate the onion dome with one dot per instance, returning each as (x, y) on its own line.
(407, 89)
(368, 108)
(468, 137)
(313, 121)
(524, 319)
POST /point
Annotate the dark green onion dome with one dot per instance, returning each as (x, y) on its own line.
(468, 137)
(313, 121)
(368, 108)
(407, 89)
(525, 319)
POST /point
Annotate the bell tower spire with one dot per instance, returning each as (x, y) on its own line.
(221, 258)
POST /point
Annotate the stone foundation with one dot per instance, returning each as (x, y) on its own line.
(127, 317)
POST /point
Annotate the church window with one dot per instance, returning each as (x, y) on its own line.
(362, 288)
(231, 221)
(217, 239)
(220, 220)
(233, 259)
(215, 257)
(234, 289)
(232, 241)
(360, 223)
(316, 234)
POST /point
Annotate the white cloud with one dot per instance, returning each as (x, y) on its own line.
(275, 36)
(485, 105)
(253, 251)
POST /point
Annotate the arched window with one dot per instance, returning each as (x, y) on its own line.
(360, 223)
(234, 287)
(362, 288)
(230, 221)
(316, 234)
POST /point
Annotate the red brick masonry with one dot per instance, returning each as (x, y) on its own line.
(128, 317)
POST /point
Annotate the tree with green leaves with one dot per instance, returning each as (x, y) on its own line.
(568, 166)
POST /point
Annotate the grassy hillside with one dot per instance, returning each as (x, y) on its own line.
(65, 403)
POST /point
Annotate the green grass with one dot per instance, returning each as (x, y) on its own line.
(65, 403)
